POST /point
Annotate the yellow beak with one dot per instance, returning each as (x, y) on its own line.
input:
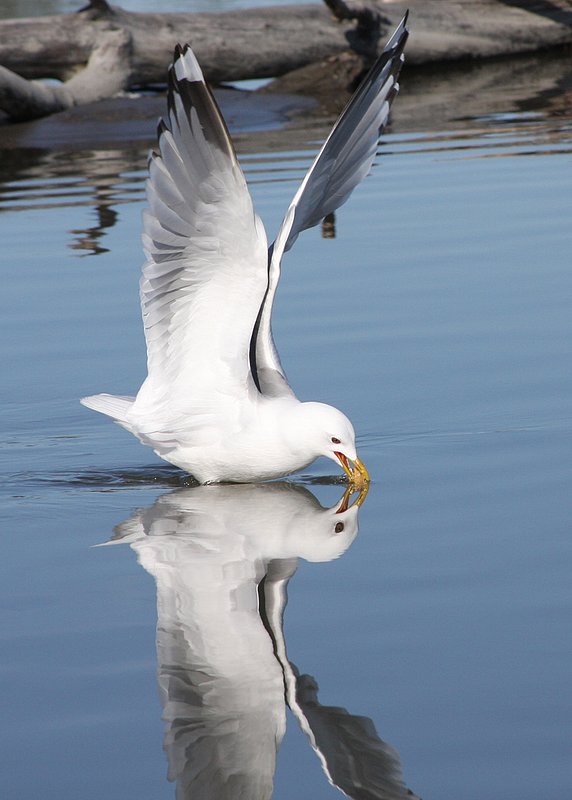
(358, 474)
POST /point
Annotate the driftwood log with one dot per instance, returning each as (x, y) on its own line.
(102, 49)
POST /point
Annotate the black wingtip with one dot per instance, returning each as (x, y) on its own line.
(194, 93)
(161, 127)
(398, 38)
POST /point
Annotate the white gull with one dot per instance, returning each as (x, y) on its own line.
(216, 401)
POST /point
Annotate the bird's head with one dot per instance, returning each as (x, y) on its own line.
(328, 432)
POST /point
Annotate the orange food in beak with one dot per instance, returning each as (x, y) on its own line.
(358, 474)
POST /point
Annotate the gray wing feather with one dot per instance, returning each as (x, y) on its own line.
(344, 160)
(349, 151)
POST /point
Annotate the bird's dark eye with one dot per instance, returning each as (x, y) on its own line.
(335, 441)
(339, 527)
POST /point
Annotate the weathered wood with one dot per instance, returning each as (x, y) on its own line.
(270, 41)
(443, 31)
(108, 71)
(101, 50)
(251, 43)
(453, 30)
(364, 39)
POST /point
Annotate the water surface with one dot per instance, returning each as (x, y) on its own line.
(431, 649)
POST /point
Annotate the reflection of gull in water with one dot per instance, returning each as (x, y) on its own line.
(216, 401)
(353, 756)
(221, 557)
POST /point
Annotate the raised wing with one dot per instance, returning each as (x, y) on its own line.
(206, 270)
(344, 160)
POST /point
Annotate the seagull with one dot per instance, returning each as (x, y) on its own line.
(216, 401)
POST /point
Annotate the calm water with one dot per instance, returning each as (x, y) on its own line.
(436, 641)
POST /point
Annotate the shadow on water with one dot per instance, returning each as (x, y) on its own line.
(222, 558)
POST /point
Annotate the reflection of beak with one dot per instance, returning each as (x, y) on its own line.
(359, 476)
(362, 494)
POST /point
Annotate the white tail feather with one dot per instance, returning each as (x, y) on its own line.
(110, 404)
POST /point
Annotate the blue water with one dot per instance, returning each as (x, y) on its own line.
(439, 319)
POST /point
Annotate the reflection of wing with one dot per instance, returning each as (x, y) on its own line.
(206, 272)
(353, 756)
(356, 760)
(342, 163)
